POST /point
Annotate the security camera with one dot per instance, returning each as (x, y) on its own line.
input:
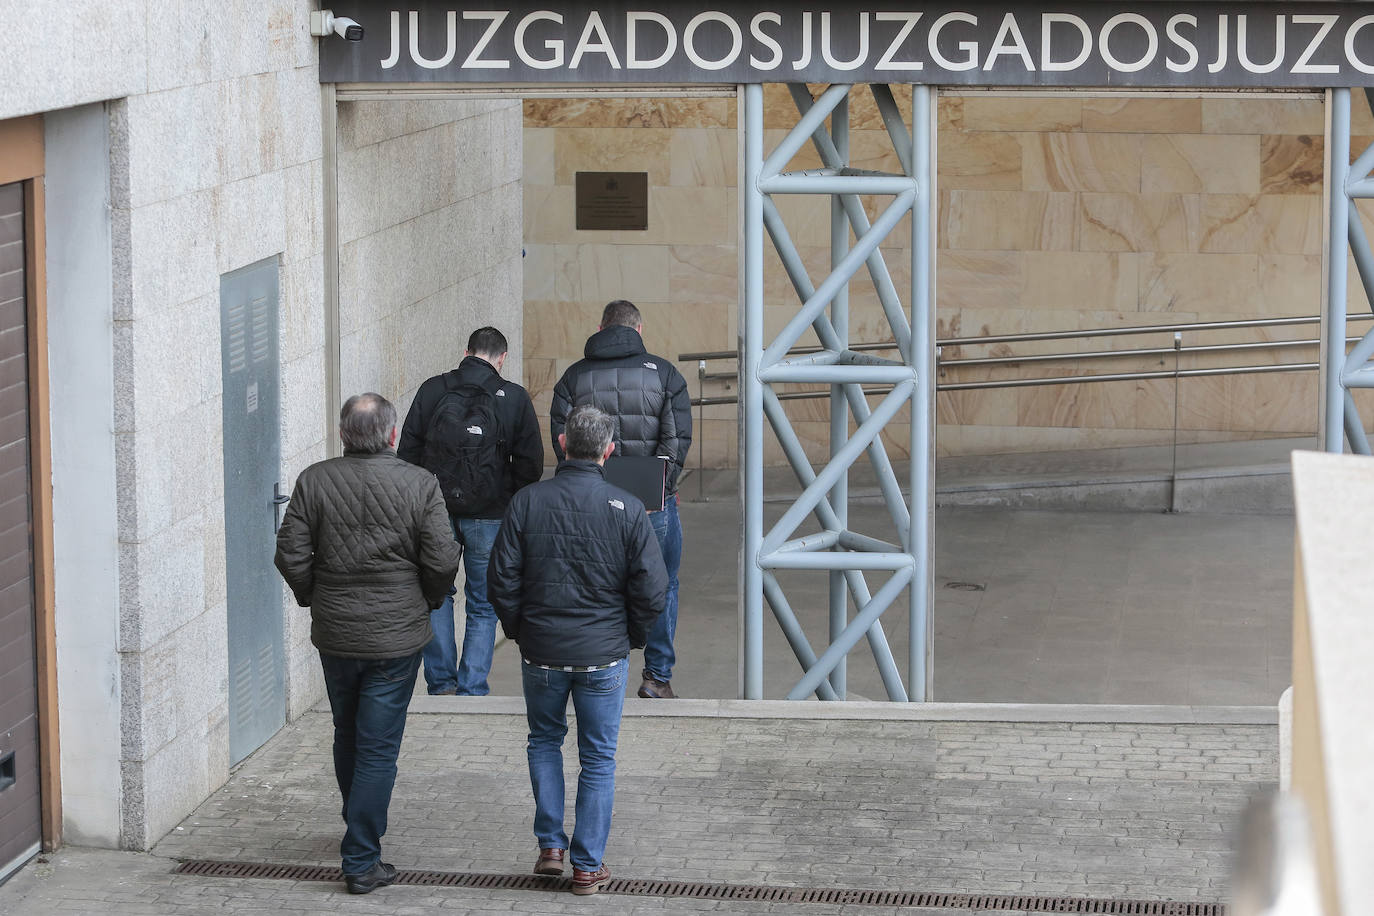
(323, 22)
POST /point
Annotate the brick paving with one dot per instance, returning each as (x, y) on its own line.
(1096, 810)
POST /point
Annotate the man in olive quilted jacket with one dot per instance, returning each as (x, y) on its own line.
(366, 545)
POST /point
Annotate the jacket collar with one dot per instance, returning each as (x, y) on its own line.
(614, 342)
(386, 452)
(476, 364)
(579, 466)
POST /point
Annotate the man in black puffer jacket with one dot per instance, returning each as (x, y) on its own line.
(577, 581)
(366, 545)
(647, 397)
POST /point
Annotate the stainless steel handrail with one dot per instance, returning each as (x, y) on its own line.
(1060, 335)
(1112, 354)
(1035, 382)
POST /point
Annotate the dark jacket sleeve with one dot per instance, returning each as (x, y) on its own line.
(410, 446)
(559, 409)
(526, 448)
(295, 557)
(506, 569)
(646, 585)
(439, 554)
(675, 425)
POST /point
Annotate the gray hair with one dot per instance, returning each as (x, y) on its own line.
(366, 422)
(621, 312)
(587, 433)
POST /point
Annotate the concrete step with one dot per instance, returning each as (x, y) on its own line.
(1250, 477)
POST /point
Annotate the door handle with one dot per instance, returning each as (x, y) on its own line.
(279, 499)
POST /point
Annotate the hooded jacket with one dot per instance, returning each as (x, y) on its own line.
(366, 545)
(645, 395)
(519, 428)
(575, 575)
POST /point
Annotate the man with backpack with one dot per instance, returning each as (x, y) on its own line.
(478, 434)
(647, 398)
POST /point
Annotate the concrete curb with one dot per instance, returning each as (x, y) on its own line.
(883, 711)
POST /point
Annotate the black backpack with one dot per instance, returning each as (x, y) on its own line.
(465, 448)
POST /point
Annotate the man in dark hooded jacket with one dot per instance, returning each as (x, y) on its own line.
(365, 544)
(647, 397)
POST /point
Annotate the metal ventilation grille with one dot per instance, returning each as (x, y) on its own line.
(643, 887)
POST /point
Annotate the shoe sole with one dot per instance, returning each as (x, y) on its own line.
(587, 890)
(555, 870)
(357, 889)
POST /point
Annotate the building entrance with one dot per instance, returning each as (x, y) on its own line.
(1209, 48)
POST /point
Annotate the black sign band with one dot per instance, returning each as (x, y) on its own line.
(1140, 45)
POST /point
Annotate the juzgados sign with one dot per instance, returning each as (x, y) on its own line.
(1105, 44)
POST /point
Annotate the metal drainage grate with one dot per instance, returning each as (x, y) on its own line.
(642, 887)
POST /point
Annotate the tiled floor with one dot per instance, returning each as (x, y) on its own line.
(1030, 606)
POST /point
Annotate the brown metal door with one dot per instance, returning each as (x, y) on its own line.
(19, 809)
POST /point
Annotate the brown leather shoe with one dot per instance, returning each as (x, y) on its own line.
(550, 862)
(589, 882)
(652, 689)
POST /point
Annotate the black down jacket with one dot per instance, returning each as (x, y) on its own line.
(575, 574)
(645, 394)
(367, 546)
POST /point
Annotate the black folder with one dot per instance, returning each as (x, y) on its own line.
(644, 476)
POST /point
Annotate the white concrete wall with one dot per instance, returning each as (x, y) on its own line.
(85, 523)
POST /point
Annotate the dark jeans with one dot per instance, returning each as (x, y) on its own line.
(369, 699)
(598, 697)
(444, 671)
(659, 655)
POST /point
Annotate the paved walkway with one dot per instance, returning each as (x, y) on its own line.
(1124, 809)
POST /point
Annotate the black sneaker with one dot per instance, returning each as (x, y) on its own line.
(379, 875)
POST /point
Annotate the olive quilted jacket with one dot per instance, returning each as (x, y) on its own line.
(367, 546)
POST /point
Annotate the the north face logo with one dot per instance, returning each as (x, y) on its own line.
(501, 393)
(651, 365)
(475, 430)
(617, 504)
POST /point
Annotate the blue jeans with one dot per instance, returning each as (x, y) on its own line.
(659, 656)
(598, 698)
(369, 699)
(444, 671)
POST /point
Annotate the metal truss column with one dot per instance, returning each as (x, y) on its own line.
(846, 555)
(1346, 371)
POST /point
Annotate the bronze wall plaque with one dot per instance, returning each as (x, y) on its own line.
(612, 200)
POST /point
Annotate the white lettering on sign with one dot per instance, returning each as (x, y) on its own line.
(495, 17)
(889, 59)
(975, 42)
(1047, 61)
(554, 45)
(758, 34)
(1171, 32)
(632, 21)
(970, 48)
(1303, 65)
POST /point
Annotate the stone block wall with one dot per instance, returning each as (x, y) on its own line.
(215, 164)
(429, 238)
(1056, 214)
